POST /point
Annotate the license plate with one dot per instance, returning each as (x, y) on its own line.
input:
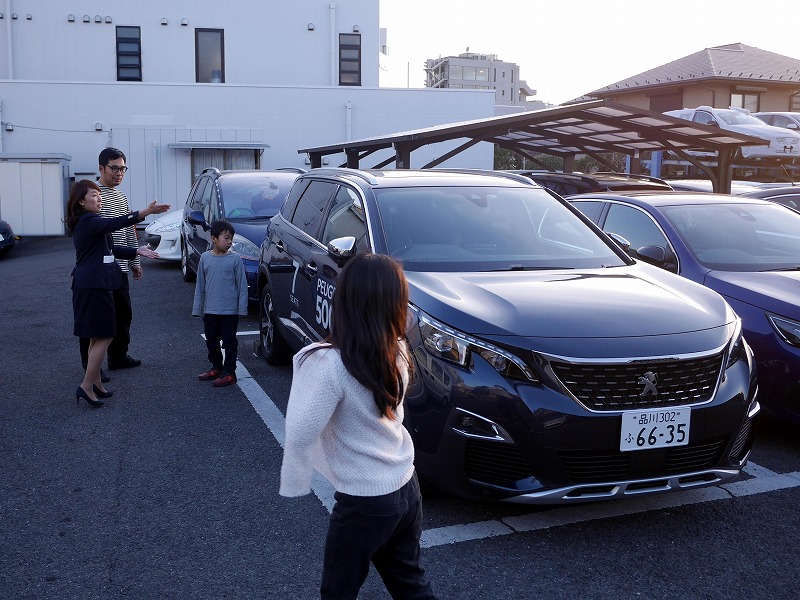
(656, 428)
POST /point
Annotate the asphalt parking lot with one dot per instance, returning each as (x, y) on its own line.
(170, 491)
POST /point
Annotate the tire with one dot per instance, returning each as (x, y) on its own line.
(188, 274)
(272, 345)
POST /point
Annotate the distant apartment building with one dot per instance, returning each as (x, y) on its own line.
(473, 71)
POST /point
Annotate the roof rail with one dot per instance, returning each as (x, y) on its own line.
(489, 172)
(630, 175)
(338, 171)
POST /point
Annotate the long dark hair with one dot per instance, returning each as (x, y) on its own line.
(368, 325)
(76, 194)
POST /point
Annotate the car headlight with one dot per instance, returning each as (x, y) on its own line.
(788, 329)
(737, 348)
(170, 227)
(457, 347)
(245, 247)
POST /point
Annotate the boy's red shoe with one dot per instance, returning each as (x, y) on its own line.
(209, 375)
(224, 380)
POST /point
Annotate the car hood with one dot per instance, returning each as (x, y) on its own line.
(169, 218)
(767, 132)
(253, 229)
(570, 308)
(773, 291)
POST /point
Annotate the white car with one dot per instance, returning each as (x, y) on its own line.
(783, 143)
(704, 185)
(164, 235)
(787, 120)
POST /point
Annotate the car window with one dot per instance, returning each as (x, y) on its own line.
(475, 229)
(287, 210)
(213, 204)
(634, 225)
(779, 121)
(790, 200)
(703, 118)
(196, 198)
(205, 199)
(252, 195)
(346, 218)
(591, 208)
(733, 237)
(311, 205)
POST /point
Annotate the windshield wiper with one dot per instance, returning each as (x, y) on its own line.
(524, 268)
(795, 268)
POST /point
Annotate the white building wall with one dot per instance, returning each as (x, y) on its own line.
(59, 93)
(143, 120)
(266, 41)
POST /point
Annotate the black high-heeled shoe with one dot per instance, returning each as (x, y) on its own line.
(101, 394)
(80, 393)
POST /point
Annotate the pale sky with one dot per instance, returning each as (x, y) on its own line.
(566, 48)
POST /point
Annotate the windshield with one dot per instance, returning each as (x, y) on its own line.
(487, 229)
(256, 196)
(737, 237)
(734, 117)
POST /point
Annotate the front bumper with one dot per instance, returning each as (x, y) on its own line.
(482, 438)
(168, 247)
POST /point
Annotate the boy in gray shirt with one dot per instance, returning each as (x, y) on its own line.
(220, 296)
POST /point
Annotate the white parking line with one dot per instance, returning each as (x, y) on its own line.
(763, 480)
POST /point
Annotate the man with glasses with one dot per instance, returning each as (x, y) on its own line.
(115, 204)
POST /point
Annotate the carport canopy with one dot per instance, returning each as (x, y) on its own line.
(592, 128)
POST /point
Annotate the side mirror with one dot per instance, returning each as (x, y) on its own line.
(792, 126)
(658, 256)
(621, 241)
(196, 217)
(343, 248)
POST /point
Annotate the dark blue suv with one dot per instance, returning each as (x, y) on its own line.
(248, 199)
(550, 367)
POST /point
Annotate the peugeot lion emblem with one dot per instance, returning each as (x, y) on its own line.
(649, 380)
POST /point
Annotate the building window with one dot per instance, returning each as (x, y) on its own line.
(456, 72)
(743, 100)
(209, 48)
(129, 54)
(349, 59)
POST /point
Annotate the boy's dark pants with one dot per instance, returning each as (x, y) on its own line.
(222, 328)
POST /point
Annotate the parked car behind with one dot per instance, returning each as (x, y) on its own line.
(163, 235)
(783, 143)
(248, 199)
(7, 238)
(705, 185)
(746, 249)
(789, 195)
(566, 184)
(787, 120)
(550, 367)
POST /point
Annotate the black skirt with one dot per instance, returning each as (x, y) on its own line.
(94, 313)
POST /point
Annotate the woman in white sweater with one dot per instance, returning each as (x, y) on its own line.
(345, 419)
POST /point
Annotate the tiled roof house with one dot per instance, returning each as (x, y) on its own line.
(731, 75)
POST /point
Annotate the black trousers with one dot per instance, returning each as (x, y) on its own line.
(222, 328)
(123, 315)
(383, 530)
